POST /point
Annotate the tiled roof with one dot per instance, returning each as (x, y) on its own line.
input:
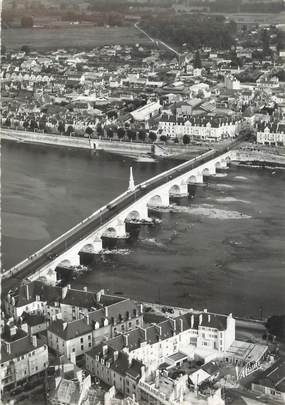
(70, 330)
(18, 348)
(80, 298)
(273, 377)
(214, 321)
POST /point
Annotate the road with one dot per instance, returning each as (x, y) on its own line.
(89, 225)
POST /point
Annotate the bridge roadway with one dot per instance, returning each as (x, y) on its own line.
(89, 225)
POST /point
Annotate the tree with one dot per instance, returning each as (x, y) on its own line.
(265, 42)
(163, 138)
(276, 326)
(110, 133)
(61, 127)
(152, 136)
(27, 22)
(142, 135)
(69, 130)
(33, 124)
(89, 131)
(186, 139)
(197, 64)
(42, 125)
(7, 122)
(26, 124)
(100, 130)
(26, 49)
(121, 133)
(131, 134)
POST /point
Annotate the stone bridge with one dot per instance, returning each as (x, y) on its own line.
(173, 184)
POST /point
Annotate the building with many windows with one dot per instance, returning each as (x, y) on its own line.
(22, 357)
(171, 341)
(271, 133)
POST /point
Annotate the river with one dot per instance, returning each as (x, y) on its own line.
(222, 249)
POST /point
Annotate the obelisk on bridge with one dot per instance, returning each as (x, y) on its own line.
(131, 180)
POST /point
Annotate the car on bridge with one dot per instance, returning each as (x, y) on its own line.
(51, 255)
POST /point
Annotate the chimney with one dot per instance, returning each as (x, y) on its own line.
(64, 325)
(27, 292)
(98, 296)
(87, 320)
(106, 312)
(105, 350)
(181, 325)
(116, 354)
(174, 326)
(68, 286)
(85, 289)
(200, 319)
(126, 340)
(143, 373)
(64, 292)
(8, 347)
(192, 321)
(209, 318)
(13, 330)
(34, 341)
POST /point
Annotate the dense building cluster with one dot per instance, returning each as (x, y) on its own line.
(146, 356)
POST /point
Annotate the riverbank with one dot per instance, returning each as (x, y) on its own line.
(260, 155)
(129, 149)
(264, 156)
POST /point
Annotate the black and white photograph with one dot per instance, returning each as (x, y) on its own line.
(142, 202)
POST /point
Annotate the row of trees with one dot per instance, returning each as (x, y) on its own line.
(109, 132)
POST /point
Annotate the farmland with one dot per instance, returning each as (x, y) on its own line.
(71, 37)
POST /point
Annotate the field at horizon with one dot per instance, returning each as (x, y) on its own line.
(71, 37)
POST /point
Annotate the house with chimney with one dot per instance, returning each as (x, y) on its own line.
(171, 341)
(87, 320)
(69, 304)
(22, 357)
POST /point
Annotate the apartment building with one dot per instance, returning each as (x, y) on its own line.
(22, 357)
(170, 341)
(199, 128)
(272, 133)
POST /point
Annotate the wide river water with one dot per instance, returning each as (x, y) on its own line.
(223, 249)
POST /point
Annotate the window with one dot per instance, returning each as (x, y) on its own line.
(89, 337)
(81, 340)
(73, 350)
(82, 347)
(130, 324)
(89, 344)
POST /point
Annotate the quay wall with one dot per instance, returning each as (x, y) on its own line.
(48, 139)
(126, 148)
(113, 146)
(260, 157)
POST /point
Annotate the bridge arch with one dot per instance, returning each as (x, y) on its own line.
(174, 190)
(206, 172)
(132, 215)
(228, 159)
(155, 201)
(88, 248)
(218, 165)
(64, 263)
(192, 180)
(110, 233)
